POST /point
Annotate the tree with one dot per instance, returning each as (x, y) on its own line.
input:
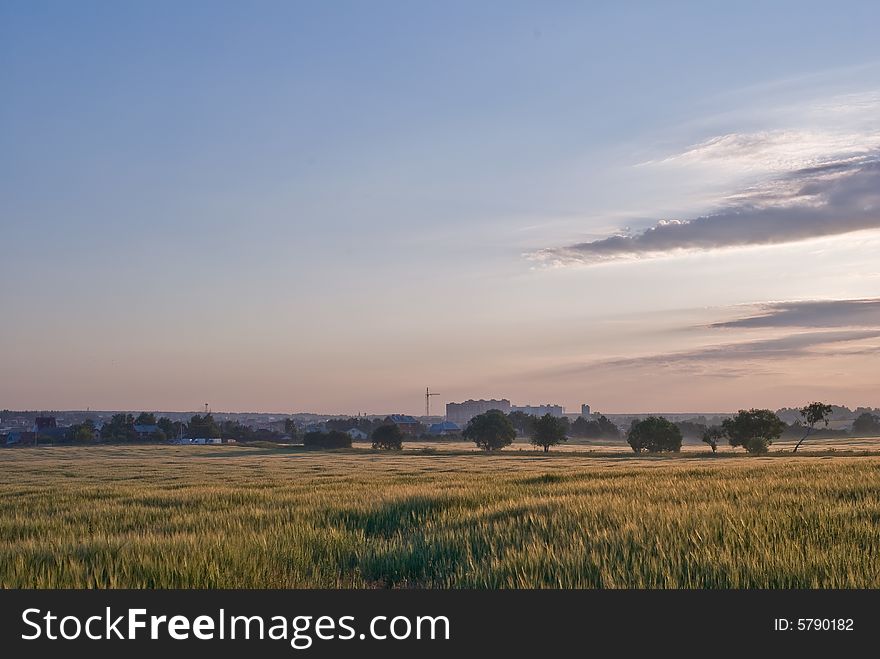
(290, 428)
(169, 427)
(490, 430)
(237, 431)
(566, 423)
(582, 428)
(332, 439)
(654, 435)
(601, 427)
(264, 435)
(389, 437)
(753, 429)
(712, 436)
(341, 424)
(202, 426)
(548, 431)
(607, 429)
(83, 432)
(523, 423)
(866, 424)
(812, 414)
(313, 439)
(120, 427)
(145, 419)
(691, 429)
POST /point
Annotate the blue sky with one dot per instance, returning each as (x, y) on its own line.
(329, 206)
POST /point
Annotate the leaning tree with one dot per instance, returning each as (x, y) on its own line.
(712, 435)
(813, 414)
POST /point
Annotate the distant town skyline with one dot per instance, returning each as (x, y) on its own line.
(648, 207)
(440, 413)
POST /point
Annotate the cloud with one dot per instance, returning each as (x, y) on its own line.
(815, 314)
(793, 345)
(813, 171)
(741, 358)
(826, 198)
(778, 151)
(798, 329)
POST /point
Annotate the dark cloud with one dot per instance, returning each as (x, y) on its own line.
(830, 199)
(740, 359)
(816, 314)
(793, 345)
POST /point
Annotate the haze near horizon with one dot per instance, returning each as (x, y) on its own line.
(282, 206)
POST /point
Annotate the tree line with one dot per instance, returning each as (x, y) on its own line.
(122, 427)
(754, 430)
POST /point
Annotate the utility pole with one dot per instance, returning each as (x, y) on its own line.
(428, 395)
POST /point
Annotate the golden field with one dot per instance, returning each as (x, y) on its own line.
(440, 516)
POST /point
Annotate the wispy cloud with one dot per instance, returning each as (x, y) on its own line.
(824, 199)
(778, 150)
(787, 347)
(737, 359)
(815, 175)
(811, 314)
(797, 329)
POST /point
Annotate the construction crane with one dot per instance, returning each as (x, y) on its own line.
(428, 394)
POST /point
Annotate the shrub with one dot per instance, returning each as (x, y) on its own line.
(753, 429)
(332, 439)
(654, 435)
(389, 437)
(490, 430)
(548, 431)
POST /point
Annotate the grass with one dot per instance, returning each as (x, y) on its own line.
(244, 517)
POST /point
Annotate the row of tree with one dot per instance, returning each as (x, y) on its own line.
(493, 430)
(754, 430)
(866, 424)
(124, 427)
(599, 428)
(365, 424)
(384, 436)
(490, 431)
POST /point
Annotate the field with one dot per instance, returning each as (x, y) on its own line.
(235, 516)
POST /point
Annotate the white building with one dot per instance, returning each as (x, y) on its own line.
(585, 410)
(205, 440)
(356, 434)
(461, 413)
(540, 410)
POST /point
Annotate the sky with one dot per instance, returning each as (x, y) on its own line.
(328, 206)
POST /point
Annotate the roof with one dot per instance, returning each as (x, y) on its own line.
(16, 436)
(148, 429)
(402, 419)
(445, 426)
(52, 433)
